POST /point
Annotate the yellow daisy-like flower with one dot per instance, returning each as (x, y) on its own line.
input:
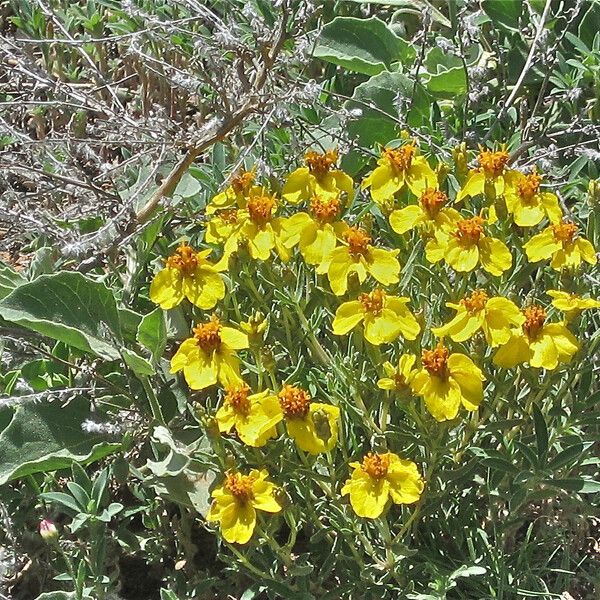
(187, 274)
(210, 356)
(446, 381)
(496, 317)
(399, 167)
(467, 246)
(398, 379)
(571, 304)
(384, 318)
(562, 243)
(490, 175)
(312, 425)
(255, 227)
(319, 177)
(380, 478)
(357, 255)
(542, 345)
(314, 232)
(253, 416)
(236, 501)
(430, 214)
(526, 202)
(234, 195)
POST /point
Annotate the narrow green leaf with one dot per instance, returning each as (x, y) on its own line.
(541, 434)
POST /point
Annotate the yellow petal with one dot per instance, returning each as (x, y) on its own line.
(473, 187)
(383, 265)
(406, 484)
(566, 343)
(409, 326)
(293, 227)
(234, 339)
(368, 496)
(298, 186)
(541, 246)
(494, 255)
(461, 257)
(201, 372)
(516, 351)
(586, 250)
(318, 431)
(528, 215)
(317, 243)
(469, 378)
(340, 264)
(226, 418)
(187, 352)
(462, 327)
(347, 316)
(264, 497)
(384, 183)
(204, 288)
(238, 522)
(407, 218)
(420, 176)
(551, 206)
(166, 289)
(543, 352)
(344, 183)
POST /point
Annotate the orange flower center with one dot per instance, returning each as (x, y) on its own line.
(469, 230)
(432, 201)
(208, 335)
(535, 316)
(325, 210)
(230, 216)
(184, 259)
(376, 465)
(493, 163)
(237, 398)
(564, 232)
(261, 208)
(528, 186)
(399, 158)
(240, 486)
(373, 302)
(475, 302)
(320, 164)
(294, 402)
(435, 362)
(241, 183)
(358, 241)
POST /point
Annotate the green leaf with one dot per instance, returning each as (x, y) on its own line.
(70, 308)
(152, 333)
(139, 365)
(504, 13)
(363, 45)
(422, 5)
(575, 484)
(588, 26)
(62, 499)
(48, 437)
(568, 455)
(541, 434)
(374, 126)
(452, 82)
(9, 280)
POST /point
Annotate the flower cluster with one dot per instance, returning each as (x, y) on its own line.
(472, 230)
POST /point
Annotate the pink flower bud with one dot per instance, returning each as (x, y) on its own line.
(48, 530)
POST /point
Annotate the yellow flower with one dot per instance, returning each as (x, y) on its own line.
(446, 381)
(210, 356)
(253, 416)
(236, 501)
(571, 304)
(495, 316)
(526, 202)
(561, 242)
(312, 425)
(399, 167)
(314, 232)
(541, 344)
(188, 274)
(380, 478)
(430, 214)
(319, 177)
(399, 378)
(384, 317)
(358, 256)
(255, 227)
(490, 175)
(467, 246)
(234, 195)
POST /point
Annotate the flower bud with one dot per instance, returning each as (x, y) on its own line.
(48, 530)
(461, 160)
(594, 192)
